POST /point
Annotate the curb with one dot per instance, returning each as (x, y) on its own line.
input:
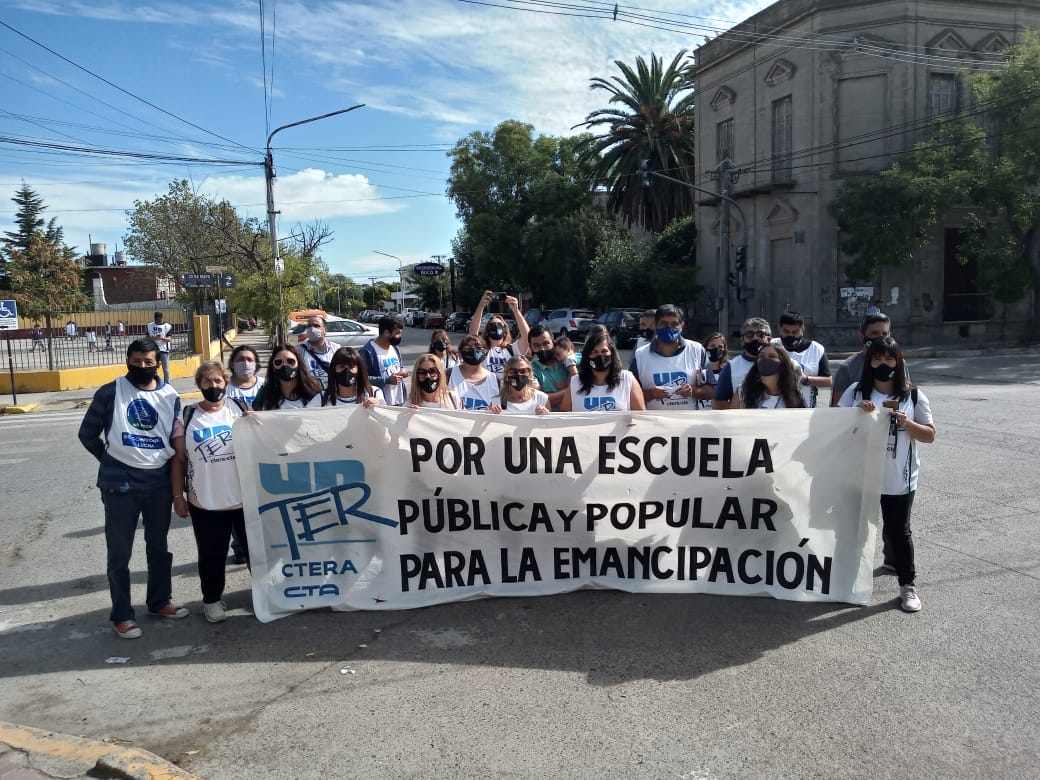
(125, 762)
(19, 409)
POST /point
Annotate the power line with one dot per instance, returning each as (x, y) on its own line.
(117, 153)
(119, 88)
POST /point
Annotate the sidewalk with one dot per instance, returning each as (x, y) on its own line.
(80, 398)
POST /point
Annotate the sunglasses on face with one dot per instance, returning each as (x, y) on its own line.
(432, 372)
(278, 363)
(518, 373)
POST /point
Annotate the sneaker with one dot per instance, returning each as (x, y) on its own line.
(911, 602)
(127, 629)
(215, 612)
(170, 612)
(239, 558)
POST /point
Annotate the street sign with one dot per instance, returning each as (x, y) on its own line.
(225, 281)
(197, 280)
(429, 269)
(215, 269)
(8, 315)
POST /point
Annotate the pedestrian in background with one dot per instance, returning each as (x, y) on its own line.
(384, 363)
(91, 340)
(159, 332)
(128, 427)
(289, 384)
(205, 482)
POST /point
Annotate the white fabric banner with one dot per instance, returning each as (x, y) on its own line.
(388, 508)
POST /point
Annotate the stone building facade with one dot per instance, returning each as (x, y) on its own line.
(808, 92)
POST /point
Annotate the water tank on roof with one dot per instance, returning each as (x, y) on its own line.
(98, 254)
(119, 258)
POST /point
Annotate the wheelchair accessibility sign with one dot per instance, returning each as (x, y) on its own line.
(8, 315)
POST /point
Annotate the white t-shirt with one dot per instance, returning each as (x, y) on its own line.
(475, 397)
(299, 403)
(212, 477)
(245, 394)
(157, 329)
(496, 358)
(311, 354)
(603, 398)
(142, 424)
(530, 406)
(389, 364)
(809, 361)
(690, 365)
(901, 457)
(451, 402)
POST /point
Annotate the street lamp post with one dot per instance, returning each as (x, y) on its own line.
(272, 215)
(400, 278)
(723, 266)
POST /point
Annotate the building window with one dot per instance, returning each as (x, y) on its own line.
(782, 139)
(724, 141)
(942, 94)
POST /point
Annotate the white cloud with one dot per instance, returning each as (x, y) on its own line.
(302, 196)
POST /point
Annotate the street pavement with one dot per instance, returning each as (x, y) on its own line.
(585, 685)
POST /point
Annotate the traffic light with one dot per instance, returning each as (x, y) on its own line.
(741, 258)
(644, 174)
(732, 279)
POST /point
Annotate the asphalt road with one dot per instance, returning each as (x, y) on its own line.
(586, 685)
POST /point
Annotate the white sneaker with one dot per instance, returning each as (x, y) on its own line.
(217, 611)
(911, 602)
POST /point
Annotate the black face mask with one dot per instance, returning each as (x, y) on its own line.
(496, 332)
(715, 354)
(213, 394)
(791, 342)
(518, 382)
(429, 385)
(440, 346)
(601, 362)
(883, 373)
(288, 373)
(472, 357)
(753, 348)
(346, 377)
(142, 375)
(395, 340)
(547, 356)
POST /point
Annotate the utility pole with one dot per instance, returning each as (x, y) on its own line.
(730, 173)
(272, 214)
(372, 284)
(451, 272)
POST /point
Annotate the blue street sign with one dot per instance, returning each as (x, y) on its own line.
(429, 269)
(8, 315)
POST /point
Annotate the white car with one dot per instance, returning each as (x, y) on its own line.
(346, 333)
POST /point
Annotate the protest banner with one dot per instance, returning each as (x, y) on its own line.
(386, 508)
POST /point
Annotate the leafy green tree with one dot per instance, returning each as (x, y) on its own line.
(517, 197)
(672, 267)
(618, 274)
(29, 222)
(650, 118)
(44, 279)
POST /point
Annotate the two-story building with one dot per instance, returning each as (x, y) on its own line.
(809, 92)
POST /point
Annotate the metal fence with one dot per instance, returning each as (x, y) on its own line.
(57, 350)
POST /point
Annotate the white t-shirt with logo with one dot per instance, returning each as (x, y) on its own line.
(475, 397)
(497, 357)
(389, 364)
(311, 354)
(602, 398)
(212, 477)
(245, 394)
(688, 366)
(156, 329)
(530, 406)
(142, 424)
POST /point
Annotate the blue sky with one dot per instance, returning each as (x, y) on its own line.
(428, 71)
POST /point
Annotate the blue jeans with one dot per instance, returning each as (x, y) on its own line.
(122, 511)
(164, 361)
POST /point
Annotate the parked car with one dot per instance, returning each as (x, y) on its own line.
(567, 322)
(346, 333)
(458, 321)
(622, 324)
(434, 320)
(534, 316)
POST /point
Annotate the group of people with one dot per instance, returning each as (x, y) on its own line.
(154, 455)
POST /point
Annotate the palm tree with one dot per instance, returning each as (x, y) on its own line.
(650, 118)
